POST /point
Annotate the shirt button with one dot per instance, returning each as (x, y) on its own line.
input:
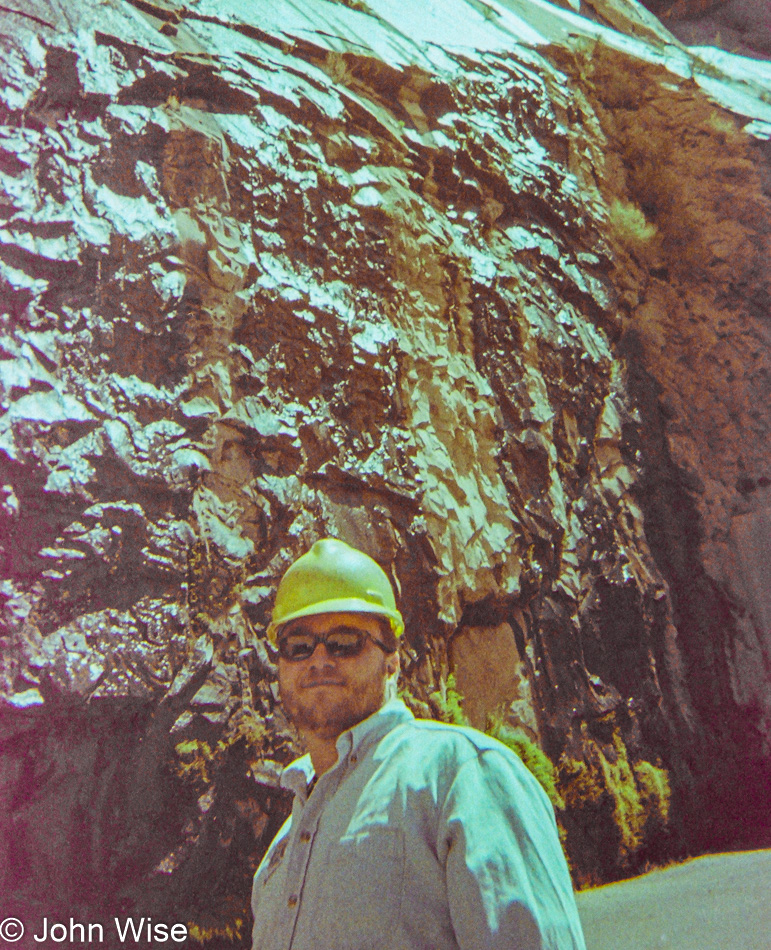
(305, 836)
(292, 900)
(354, 759)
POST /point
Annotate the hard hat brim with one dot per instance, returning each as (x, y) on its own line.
(353, 605)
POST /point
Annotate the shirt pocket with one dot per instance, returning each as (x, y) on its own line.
(364, 879)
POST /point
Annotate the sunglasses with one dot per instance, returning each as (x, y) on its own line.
(340, 643)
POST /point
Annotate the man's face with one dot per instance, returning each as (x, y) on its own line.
(327, 695)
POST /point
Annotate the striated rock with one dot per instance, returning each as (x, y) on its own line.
(490, 302)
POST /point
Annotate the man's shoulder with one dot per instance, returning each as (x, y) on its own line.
(430, 735)
(424, 750)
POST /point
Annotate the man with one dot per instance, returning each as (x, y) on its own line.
(405, 834)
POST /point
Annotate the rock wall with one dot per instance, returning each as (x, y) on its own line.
(738, 26)
(481, 290)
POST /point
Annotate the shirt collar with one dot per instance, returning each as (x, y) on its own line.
(366, 733)
(353, 742)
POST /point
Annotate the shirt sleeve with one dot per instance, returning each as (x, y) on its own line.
(508, 884)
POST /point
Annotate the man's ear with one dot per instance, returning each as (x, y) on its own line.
(393, 663)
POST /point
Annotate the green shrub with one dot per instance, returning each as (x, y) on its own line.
(194, 761)
(449, 702)
(606, 791)
(655, 792)
(233, 931)
(628, 811)
(630, 223)
(532, 755)
(578, 783)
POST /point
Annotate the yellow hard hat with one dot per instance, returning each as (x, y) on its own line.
(333, 577)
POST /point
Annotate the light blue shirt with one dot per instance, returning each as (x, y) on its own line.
(423, 836)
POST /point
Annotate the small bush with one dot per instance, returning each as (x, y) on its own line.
(628, 811)
(233, 931)
(532, 755)
(615, 808)
(195, 759)
(578, 783)
(449, 703)
(655, 792)
(629, 222)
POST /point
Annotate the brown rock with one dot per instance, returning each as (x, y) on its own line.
(492, 307)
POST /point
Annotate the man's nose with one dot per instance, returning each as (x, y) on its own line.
(321, 657)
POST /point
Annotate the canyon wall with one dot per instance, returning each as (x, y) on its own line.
(479, 288)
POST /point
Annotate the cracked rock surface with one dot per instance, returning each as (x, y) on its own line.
(481, 289)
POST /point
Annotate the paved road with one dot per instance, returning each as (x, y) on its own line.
(717, 902)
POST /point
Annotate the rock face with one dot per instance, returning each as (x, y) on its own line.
(738, 26)
(479, 289)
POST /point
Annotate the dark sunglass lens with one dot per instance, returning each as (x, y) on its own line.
(345, 643)
(296, 646)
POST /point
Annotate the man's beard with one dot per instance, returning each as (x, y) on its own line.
(327, 717)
